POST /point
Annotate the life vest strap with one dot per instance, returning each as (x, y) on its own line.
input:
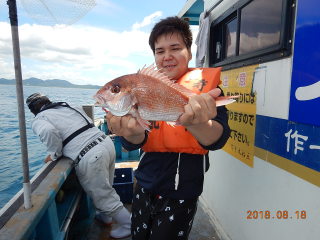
(76, 133)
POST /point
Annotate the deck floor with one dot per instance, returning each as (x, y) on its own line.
(202, 228)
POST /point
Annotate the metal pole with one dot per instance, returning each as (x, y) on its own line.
(213, 7)
(20, 102)
(73, 209)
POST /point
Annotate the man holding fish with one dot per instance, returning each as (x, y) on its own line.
(185, 122)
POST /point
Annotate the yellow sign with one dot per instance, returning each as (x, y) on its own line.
(242, 113)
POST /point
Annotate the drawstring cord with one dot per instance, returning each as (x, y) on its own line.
(142, 155)
(176, 183)
(177, 175)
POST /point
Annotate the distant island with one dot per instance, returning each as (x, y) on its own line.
(48, 83)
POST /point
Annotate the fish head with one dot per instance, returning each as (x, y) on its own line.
(115, 96)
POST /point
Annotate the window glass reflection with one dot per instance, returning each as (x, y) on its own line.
(260, 25)
(230, 36)
(218, 44)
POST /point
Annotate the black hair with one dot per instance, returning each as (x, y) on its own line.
(171, 25)
(37, 105)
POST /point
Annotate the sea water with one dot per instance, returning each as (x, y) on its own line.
(11, 174)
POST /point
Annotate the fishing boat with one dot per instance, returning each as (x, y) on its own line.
(264, 184)
(62, 210)
(52, 205)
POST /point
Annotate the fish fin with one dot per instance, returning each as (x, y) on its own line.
(134, 111)
(153, 72)
(221, 101)
(172, 124)
(144, 123)
(145, 70)
(142, 68)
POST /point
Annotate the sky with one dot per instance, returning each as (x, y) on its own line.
(109, 41)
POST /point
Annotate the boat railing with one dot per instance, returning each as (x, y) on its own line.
(49, 217)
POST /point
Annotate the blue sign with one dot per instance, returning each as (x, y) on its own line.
(297, 142)
(305, 83)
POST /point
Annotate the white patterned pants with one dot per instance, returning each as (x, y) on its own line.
(157, 218)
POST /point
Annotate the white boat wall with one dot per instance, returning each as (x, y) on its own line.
(264, 184)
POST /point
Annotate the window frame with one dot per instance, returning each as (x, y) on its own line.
(266, 54)
(225, 22)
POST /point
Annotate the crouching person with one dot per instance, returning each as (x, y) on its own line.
(66, 130)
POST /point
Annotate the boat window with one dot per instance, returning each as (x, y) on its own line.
(260, 25)
(252, 31)
(218, 43)
(230, 36)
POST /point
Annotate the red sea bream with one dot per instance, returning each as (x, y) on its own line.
(147, 95)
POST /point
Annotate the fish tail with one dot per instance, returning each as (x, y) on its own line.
(221, 101)
(227, 97)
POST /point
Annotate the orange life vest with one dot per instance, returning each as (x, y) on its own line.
(165, 138)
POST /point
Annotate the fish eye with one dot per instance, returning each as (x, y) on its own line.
(115, 89)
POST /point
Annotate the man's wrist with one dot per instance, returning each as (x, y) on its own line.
(195, 127)
(136, 138)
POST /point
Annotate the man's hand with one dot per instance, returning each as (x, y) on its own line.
(197, 117)
(200, 109)
(126, 126)
(48, 159)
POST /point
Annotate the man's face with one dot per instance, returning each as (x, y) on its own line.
(172, 55)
